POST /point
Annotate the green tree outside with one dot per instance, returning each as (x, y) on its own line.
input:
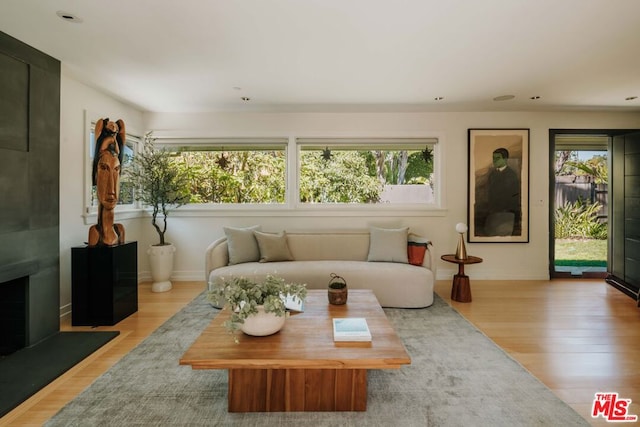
(349, 176)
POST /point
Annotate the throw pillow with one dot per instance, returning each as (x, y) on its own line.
(416, 249)
(242, 244)
(388, 244)
(273, 247)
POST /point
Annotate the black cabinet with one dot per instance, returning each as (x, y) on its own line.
(104, 284)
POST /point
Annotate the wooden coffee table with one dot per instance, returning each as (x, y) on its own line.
(301, 368)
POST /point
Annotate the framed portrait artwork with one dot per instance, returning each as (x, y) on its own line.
(498, 196)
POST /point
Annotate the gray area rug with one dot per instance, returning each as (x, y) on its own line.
(458, 377)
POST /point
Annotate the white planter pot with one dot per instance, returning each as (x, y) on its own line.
(161, 260)
(262, 324)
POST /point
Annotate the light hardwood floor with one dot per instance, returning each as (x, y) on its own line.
(578, 337)
(153, 310)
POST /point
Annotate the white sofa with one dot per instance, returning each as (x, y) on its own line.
(317, 254)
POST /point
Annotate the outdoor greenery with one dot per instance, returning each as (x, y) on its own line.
(342, 179)
(346, 176)
(581, 252)
(595, 167)
(234, 176)
(567, 163)
(580, 235)
(579, 220)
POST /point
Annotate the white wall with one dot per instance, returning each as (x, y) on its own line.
(192, 231)
(74, 100)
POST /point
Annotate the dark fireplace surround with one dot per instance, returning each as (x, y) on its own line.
(29, 187)
(14, 307)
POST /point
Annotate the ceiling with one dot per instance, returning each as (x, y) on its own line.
(343, 55)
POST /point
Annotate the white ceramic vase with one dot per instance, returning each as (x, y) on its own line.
(161, 260)
(262, 323)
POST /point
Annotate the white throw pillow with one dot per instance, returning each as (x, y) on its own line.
(388, 244)
(242, 244)
(273, 247)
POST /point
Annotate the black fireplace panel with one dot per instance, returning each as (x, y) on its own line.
(14, 87)
(13, 315)
(29, 181)
(44, 321)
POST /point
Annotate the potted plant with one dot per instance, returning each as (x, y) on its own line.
(257, 308)
(337, 290)
(160, 184)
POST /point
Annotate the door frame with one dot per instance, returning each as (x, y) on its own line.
(610, 133)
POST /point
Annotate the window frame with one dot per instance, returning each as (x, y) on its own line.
(370, 143)
(292, 207)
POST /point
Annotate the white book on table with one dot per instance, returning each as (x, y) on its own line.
(351, 329)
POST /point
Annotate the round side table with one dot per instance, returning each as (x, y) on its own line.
(461, 289)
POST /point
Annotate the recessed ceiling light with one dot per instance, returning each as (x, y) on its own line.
(630, 98)
(504, 98)
(534, 97)
(68, 17)
(246, 98)
(438, 98)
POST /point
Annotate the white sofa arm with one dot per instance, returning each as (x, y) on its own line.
(429, 259)
(215, 256)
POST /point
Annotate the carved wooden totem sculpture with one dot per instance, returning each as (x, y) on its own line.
(110, 139)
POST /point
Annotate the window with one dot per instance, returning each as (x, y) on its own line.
(234, 171)
(305, 172)
(366, 171)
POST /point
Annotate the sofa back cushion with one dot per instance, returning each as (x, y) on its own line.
(273, 246)
(344, 245)
(242, 244)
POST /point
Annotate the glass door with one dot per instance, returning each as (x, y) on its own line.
(579, 206)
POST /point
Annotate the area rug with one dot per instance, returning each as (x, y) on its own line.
(25, 372)
(458, 377)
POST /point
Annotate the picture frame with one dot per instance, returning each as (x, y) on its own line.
(498, 186)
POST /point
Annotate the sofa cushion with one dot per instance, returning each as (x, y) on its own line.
(273, 247)
(388, 244)
(349, 245)
(242, 244)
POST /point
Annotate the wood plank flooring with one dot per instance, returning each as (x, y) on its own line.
(153, 310)
(578, 337)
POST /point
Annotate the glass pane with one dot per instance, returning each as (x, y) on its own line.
(365, 175)
(235, 176)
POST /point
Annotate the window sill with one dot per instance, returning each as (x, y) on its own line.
(130, 213)
(281, 210)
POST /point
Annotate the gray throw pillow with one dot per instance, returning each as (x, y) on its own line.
(273, 247)
(242, 244)
(388, 244)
